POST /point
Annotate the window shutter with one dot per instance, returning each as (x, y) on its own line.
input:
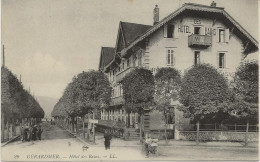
(191, 29)
(166, 57)
(227, 35)
(193, 62)
(202, 31)
(173, 57)
(175, 32)
(165, 31)
(217, 60)
(225, 57)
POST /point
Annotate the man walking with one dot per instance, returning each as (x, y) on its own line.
(108, 137)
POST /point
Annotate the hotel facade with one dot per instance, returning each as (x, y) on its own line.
(193, 34)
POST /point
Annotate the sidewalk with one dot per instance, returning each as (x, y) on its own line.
(10, 140)
(118, 142)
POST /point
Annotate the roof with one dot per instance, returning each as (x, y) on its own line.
(131, 31)
(200, 8)
(106, 56)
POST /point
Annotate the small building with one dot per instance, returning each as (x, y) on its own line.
(193, 34)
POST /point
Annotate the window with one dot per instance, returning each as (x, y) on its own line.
(113, 93)
(221, 60)
(169, 57)
(197, 57)
(139, 60)
(168, 31)
(128, 63)
(113, 75)
(134, 60)
(221, 35)
(123, 66)
(196, 30)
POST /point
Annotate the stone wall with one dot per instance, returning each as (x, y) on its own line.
(218, 136)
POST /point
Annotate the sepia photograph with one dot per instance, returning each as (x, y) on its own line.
(129, 80)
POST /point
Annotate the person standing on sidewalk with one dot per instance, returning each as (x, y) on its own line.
(22, 133)
(108, 137)
(39, 132)
(34, 131)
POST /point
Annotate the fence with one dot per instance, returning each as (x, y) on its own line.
(218, 132)
(218, 127)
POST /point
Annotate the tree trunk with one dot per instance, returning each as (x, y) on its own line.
(93, 127)
(76, 123)
(197, 136)
(165, 130)
(128, 120)
(83, 126)
(246, 136)
(141, 126)
(72, 124)
(13, 128)
(88, 133)
(2, 127)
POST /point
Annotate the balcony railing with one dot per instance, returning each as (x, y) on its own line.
(196, 40)
(123, 73)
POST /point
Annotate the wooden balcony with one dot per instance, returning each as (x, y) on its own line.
(196, 40)
(122, 74)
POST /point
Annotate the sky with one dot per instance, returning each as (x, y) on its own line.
(48, 42)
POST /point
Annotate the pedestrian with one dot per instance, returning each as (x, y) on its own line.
(26, 132)
(29, 134)
(22, 133)
(34, 132)
(39, 132)
(148, 142)
(108, 137)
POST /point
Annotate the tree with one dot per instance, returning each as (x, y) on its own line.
(245, 87)
(138, 91)
(167, 87)
(87, 92)
(93, 92)
(204, 92)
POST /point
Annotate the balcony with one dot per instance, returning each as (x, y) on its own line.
(122, 74)
(196, 40)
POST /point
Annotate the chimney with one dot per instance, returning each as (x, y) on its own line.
(213, 4)
(155, 15)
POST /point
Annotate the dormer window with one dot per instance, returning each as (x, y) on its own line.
(168, 31)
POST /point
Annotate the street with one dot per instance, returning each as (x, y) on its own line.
(59, 145)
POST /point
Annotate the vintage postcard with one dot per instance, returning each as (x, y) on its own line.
(136, 80)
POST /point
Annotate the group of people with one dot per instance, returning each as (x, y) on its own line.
(29, 133)
(108, 137)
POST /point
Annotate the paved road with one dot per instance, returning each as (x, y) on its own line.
(58, 145)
